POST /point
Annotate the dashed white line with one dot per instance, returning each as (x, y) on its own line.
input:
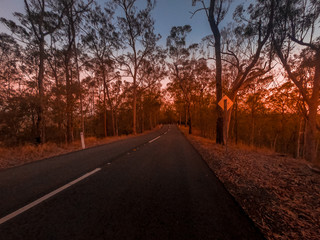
(154, 139)
(45, 197)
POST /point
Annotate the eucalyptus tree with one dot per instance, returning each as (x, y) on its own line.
(182, 67)
(116, 99)
(245, 52)
(296, 42)
(10, 54)
(40, 20)
(285, 105)
(216, 11)
(138, 40)
(11, 112)
(101, 39)
(150, 75)
(238, 49)
(74, 11)
(204, 87)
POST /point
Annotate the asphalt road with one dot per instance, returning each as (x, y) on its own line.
(154, 186)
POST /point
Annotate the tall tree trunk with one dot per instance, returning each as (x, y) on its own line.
(104, 103)
(186, 121)
(117, 124)
(38, 30)
(68, 75)
(156, 122)
(236, 122)
(311, 135)
(252, 128)
(134, 129)
(142, 119)
(113, 123)
(92, 102)
(79, 81)
(105, 130)
(202, 127)
(299, 138)
(217, 48)
(40, 120)
(304, 139)
(69, 99)
(311, 131)
(275, 142)
(112, 111)
(150, 121)
(189, 119)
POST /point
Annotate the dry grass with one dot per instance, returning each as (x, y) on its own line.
(280, 194)
(16, 156)
(263, 150)
(10, 157)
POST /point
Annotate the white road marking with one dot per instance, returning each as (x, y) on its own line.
(45, 197)
(154, 139)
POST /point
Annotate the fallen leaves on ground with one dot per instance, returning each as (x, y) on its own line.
(280, 194)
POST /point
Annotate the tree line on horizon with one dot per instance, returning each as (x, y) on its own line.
(74, 66)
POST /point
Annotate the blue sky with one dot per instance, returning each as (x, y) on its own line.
(167, 13)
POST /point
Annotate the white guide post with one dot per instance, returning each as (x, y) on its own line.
(82, 140)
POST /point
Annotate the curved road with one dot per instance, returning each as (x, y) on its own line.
(154, 186)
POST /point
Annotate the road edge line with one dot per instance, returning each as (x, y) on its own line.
(154, 139)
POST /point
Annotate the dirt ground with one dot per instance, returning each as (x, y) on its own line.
(279, 193)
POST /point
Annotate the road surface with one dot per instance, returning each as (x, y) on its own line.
(154, 186)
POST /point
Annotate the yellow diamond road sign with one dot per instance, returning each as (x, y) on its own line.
(229, 102)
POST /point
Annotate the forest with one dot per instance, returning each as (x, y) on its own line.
(78, 66)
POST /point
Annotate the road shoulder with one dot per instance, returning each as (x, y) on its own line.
(280, 194)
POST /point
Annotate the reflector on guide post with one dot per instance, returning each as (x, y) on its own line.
(229, 102)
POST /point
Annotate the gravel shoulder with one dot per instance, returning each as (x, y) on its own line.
(279, 193)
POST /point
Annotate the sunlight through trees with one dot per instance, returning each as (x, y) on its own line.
(72, 66)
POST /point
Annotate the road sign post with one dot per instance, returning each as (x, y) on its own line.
(225, 123)
(229, 102)
(225, 103)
